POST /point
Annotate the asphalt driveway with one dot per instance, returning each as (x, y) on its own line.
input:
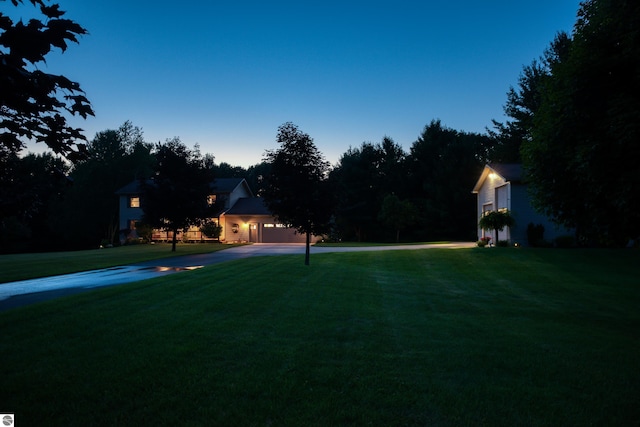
(16, 294)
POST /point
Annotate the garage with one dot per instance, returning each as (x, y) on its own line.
(277, 233)
(249, 220)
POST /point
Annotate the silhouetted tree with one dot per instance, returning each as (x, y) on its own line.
(225, 170)
(177, 196)
(89, 211)
(356, 178)
(33, 104)
(297, 189)
(28, 187)
(582, 160)
(397, 214)
(524, 102)
(444, 165)
(256, 177)
(362, 178)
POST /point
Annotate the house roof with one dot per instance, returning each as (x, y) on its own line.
(510, 172)
(220, 185)
(226, 185)
(131, 188)
(249, 206)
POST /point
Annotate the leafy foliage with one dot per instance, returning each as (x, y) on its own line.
(211, 229)
(524, 102)
(443, 165)
(497, 221)
(144, 231)
(177, 195)
(582, 159)
(33, 104)
(116, 157)
(297, 189)
(398, 214)
(435, 177)
(29, 186)
(362, 178)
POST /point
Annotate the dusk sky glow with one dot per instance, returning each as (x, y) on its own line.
(226, 75)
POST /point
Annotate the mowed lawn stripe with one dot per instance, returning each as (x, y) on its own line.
(428, 337)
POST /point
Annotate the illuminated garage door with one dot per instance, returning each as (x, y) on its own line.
(277, 233)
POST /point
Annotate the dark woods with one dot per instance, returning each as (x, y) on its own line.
(50, 204)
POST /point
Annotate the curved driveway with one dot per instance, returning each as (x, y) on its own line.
(16, 294)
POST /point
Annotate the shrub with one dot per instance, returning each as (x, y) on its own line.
(484, 241)
(145, 231)
(503, 243)
(535, 234)
(211, 230)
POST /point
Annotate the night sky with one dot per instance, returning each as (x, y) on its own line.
(226, 75)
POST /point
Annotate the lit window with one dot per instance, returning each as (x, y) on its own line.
(211, 199)
(134, 202)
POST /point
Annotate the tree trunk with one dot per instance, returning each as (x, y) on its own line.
(306, 253)
(175, 239)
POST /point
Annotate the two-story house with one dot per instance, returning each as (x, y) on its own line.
(243, 217)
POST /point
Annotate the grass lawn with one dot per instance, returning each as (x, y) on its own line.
(365, 244)
(30, 266)
(437, 337)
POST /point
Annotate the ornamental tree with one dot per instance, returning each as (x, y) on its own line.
(497, 221)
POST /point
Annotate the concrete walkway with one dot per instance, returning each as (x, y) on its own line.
(17, 294)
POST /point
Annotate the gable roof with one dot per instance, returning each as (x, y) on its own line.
(226, 185)
(249, 206)
(220, 185)
(131, 188)
(510, 172)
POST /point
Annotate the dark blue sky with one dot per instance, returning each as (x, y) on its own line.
(226, 75)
